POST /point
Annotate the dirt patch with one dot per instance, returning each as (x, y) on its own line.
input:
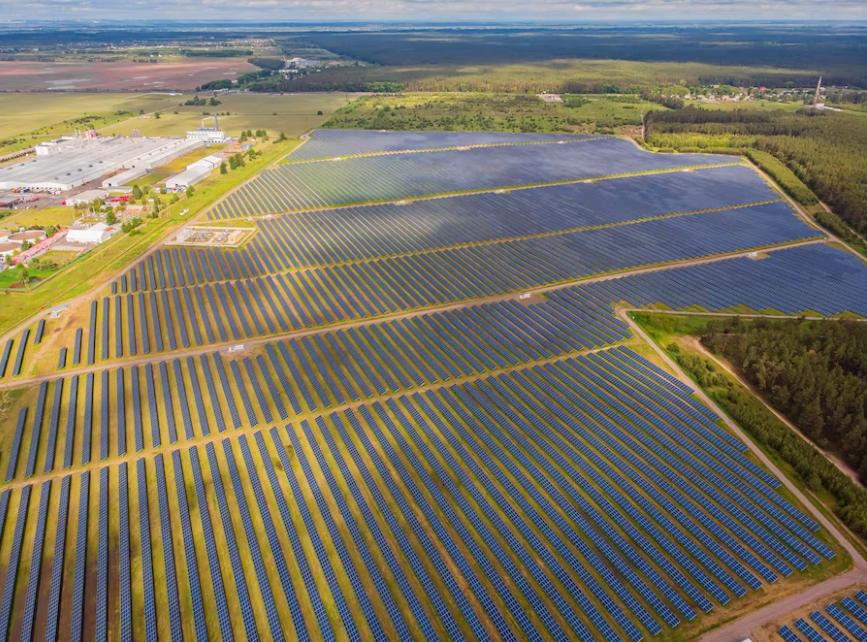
(117, 76)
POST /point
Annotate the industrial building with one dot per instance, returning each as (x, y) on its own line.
(207, 135)
(86, 198)
(93, 235)
(124, 177)
(72, 162)
(193, 174)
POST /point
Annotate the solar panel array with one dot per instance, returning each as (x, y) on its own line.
(372, 179)
(812, 279)
(328, 143)
(843, 621)
(497, 469)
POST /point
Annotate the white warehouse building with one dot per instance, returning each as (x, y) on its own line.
(193, 174)
(93, 235)
(78, 161)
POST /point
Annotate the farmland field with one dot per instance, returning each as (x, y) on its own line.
(420, 420)
(117, 76)
(23, 113)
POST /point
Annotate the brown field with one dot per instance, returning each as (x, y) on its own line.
(117, 76)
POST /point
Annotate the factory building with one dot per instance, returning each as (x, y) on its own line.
(68, 163)
(207, 135)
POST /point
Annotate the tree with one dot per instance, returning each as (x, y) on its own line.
(50, 231)
(190, 191)
(23, 274)
(223, 168)
(157, 115)
(110, 217)
(136, 191)
(319, 113)
(9, 260)
(281, 138)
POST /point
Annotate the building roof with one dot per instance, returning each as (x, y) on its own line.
(82, 161)
(89, 195)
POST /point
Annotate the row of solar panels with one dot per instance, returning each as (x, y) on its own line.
(314, 372)
(357, 233)
(292, 187)
(328, 143)
(200, 323)
(851, 623)
(544, 463)
(815, 277)
(442, 275)
(22, 347)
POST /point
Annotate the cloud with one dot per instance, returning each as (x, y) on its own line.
(441, 10)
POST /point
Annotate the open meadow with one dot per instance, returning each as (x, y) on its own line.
(291, 114)
(407, 407)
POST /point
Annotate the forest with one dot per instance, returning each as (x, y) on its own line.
(823, 149)
(837, 52)
(814, 372)
(465, 111)
(793, 363)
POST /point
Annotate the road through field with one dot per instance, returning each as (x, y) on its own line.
(740, 629)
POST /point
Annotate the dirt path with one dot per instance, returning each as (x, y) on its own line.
(741, 629)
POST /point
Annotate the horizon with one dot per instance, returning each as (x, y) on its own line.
(442, 11)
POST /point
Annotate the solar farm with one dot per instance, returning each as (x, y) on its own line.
(843, 621)
(408, 406)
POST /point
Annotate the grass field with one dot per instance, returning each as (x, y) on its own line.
(55, 216)
(26, 119)
(290, 114)
(731, 105)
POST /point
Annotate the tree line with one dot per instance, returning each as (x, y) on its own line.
(823, 149)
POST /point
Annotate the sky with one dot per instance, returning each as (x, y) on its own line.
(438, 10)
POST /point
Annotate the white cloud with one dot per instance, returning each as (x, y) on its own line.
(438, 10)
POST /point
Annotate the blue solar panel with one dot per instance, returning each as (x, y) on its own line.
(35, 563)
(193, 579)
(56, 583)
(14, 558)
